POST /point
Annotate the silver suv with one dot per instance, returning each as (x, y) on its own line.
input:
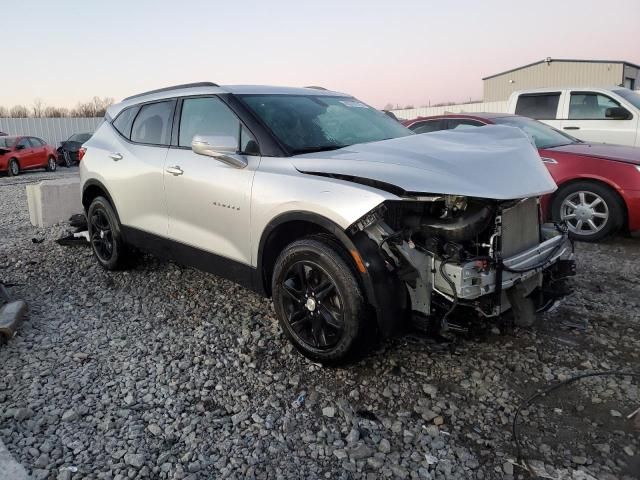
(349, 221)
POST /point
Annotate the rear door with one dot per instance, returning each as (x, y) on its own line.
(543, 106)
(134, 156)
(39, 153)
(587, 119)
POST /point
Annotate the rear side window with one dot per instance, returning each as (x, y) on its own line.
(428, 126)
(540, 106)
(153, 124)
(122, 123)
(36, 142)
(590, 106)
(460, 123)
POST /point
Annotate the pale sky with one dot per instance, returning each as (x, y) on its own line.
(401, 52)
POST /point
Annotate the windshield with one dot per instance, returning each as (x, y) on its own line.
(7, 142)
(79, 137)
(542, 135)
(313, 123)
(630, 96)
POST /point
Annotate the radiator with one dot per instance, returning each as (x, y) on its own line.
(520, 227)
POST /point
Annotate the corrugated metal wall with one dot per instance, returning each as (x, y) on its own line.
(411, 113)
(553, 74)
(51, 130)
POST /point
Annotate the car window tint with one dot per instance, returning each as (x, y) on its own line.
(428, 126)
(538, 106)
(590, 106)
(24, 142)
(206, 116)
(460, 123)
(153, 124)
(123, 122)
(34, 142)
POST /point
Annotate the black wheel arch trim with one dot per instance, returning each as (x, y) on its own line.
(96, 183)
(383, 290)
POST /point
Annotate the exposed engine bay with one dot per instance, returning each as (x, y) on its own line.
(487, 256)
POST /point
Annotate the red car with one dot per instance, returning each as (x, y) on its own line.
(26, 153)
(598, 184)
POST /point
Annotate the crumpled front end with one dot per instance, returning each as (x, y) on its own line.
(476, 257)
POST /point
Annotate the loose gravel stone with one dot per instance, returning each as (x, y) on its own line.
(164, 372)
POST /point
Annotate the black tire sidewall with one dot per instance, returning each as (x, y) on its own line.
(10, 172)
(342, 275)
(117, 259)
(616, 209)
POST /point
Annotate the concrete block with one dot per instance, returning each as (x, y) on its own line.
(53, 201)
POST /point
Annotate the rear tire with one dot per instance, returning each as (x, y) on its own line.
(51, 164)
(14, 168)
(319, 303)
(591, 210)
(105, 236)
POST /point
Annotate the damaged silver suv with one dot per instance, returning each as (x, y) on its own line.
(352, 223)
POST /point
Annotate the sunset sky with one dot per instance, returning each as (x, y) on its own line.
(400, 52)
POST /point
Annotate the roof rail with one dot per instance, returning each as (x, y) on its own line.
(315, 87)
(174, 87)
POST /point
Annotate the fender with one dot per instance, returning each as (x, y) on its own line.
(383, 291)
(96, 183)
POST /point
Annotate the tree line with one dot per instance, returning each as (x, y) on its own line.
(95, 107)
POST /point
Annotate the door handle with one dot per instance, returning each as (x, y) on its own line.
(571, 128)
(175, 171)
(115, 156)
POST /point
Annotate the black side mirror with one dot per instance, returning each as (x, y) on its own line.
(617, 113)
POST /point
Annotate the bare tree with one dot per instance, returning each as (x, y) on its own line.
(56, 112)
(4, 112)
(388, 106)
(38, 108)
(19, 111)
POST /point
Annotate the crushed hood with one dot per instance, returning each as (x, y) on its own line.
(497, 162)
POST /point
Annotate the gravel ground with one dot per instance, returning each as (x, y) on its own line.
(165, 372)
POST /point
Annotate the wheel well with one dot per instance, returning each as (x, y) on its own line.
(595, 181)
(280, 237)
(91, 192)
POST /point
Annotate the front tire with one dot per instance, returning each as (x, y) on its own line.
(105, 236)
(591, 210)
(51, 164)
(14, 168)
(318, 301)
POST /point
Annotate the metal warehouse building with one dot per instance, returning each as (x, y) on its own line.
(561, 73)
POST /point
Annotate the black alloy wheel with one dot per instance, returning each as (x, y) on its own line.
(101, 236)
(313, 305)
(319, 302)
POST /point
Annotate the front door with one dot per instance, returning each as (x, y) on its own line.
(208, 201)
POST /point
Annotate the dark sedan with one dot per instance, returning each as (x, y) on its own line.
(68, 149)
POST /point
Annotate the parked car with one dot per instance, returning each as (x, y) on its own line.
(599, 184)
(2, 134)
(69, 150)
(25, 153)
(607, 115)
(349, 221)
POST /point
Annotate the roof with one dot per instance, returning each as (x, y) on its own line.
(570, 60)
(210, 88)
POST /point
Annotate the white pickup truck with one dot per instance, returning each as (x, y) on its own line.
(607, 115)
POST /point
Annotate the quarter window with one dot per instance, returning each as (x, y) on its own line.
(123, 122)
(540, 106)
(153, 124)
(590, 106)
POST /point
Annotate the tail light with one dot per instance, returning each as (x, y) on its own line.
(81, 153)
